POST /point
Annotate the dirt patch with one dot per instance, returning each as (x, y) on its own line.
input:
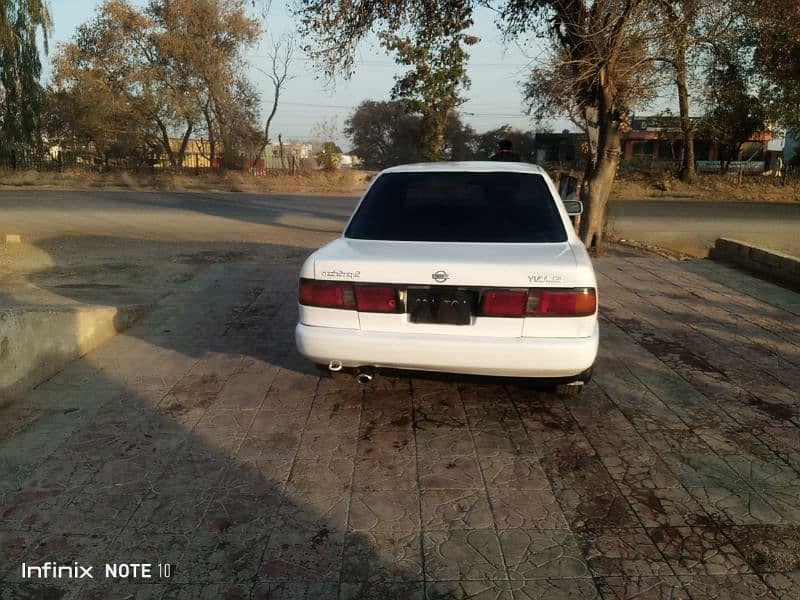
(348, 182)
(208, 257)
(640, 186)
(671, 352)
(615, 246)
(770, 548)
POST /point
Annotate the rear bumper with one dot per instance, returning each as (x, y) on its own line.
(508, 357)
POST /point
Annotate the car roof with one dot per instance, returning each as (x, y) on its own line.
(476, 166)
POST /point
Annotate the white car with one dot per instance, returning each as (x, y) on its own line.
(459, 267)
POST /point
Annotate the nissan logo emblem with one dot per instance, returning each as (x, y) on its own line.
(440, 276)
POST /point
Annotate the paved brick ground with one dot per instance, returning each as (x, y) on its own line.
(200, 439)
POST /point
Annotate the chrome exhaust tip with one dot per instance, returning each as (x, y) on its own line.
(365, 374)
(335, 365)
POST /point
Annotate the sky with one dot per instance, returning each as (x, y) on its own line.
(494, 99)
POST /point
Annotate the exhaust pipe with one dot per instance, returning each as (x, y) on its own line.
(365, 374)
(335, 365)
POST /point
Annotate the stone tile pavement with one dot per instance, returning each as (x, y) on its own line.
(200, 440)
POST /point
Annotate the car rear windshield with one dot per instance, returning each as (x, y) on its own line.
(499, 207)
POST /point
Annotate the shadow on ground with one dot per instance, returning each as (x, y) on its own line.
(182, 442)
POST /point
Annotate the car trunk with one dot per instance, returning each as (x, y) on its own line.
(434, 266)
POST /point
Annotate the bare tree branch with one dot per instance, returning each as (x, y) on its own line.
(281, 55)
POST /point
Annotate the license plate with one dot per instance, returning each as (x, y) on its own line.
(448, 307)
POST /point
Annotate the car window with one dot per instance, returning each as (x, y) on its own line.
(458, 207)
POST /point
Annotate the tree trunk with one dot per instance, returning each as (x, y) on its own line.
(184, 143)
(433, 136)
(265, 141)
(599, 180)
(212, 138)
(165, 142)
(688, 172)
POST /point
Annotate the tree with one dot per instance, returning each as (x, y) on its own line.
(775, 32)
(688, 29)
(202, 42)
(281, 55)
(384, 134)
(599, 68)
(679, 17)
(20, 67)
(330, 156)
(93, 114)
(524, 142)
(437, 57)
(459, 139)
(176, 64)
(734, 113)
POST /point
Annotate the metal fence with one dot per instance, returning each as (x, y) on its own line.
(192, 164)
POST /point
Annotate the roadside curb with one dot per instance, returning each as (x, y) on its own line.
(778, 266)
(36, 342)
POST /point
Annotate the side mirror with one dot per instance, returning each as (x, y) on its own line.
(574, 206)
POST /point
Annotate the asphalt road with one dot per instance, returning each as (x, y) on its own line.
(692, 226)
(308, 221)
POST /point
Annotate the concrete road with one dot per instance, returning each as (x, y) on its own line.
(308, 221)
(199, 439)
(133, 247)
(190, 216)
(693, 226)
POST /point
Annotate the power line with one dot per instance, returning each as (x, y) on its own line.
(352, 107)
(390, 63)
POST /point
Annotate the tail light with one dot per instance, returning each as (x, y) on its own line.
(376, 299)
(504, 303)
(539, 302)
(332, 294)
(562, 303)
(327, 294)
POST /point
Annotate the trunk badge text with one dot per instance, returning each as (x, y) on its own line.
(440, 276)
(544, 278)
(343, 274)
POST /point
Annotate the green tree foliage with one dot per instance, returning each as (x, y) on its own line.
(459, 139)
(330, 156)
(384, 134)
(734, 113)
(436, 54)
(21, 21)
(599, 68)
(687, 31)
(775, 30)
(171, 69)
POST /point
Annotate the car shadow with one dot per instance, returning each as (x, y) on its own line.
(199, 439)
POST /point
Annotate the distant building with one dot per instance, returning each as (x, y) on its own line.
(296, 149)
(659, 138)
(559, 147)
(350, 161)
(197, 155)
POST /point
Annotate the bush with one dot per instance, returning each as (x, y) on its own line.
(330, 157)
